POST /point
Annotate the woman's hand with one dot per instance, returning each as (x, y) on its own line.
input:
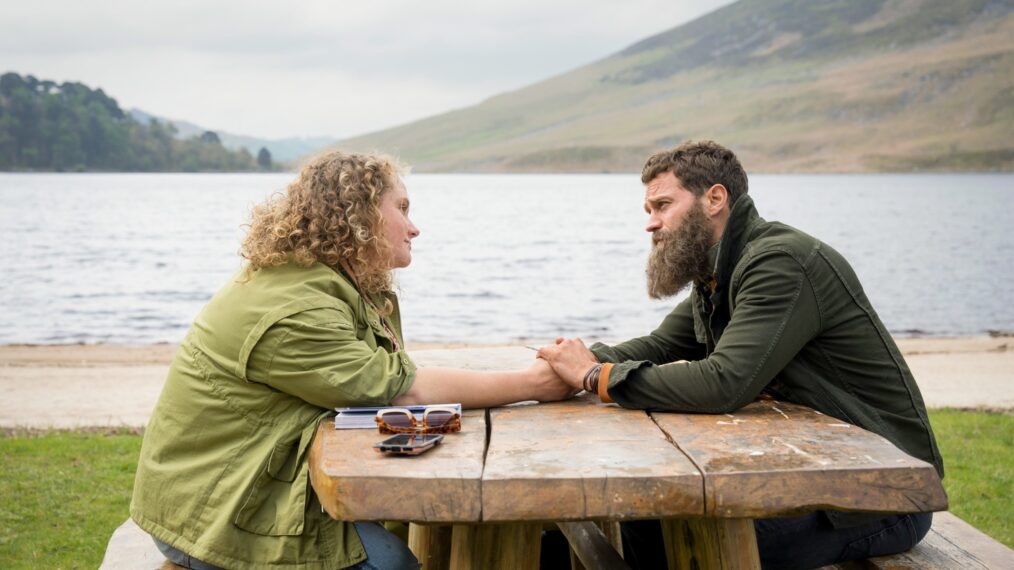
(547, 386)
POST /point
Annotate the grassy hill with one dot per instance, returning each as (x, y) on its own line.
(791, 85)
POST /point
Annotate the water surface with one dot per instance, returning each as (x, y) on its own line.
(131, 258)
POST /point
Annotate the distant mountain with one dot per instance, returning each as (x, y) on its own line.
(283, 150)
(791, 85)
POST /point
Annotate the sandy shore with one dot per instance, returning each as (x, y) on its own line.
(106, 385)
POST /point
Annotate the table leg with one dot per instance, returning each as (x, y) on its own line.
(431, 545)
(722, 544)
(612, 531)
(590, 547)
(496, 546)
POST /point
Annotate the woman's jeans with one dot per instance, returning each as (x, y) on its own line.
(383, 551)
(809, 541)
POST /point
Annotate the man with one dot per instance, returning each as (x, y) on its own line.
(772, 310)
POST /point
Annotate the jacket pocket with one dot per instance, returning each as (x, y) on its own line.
(275, 505)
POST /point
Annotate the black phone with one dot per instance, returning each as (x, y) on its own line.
(408, 444)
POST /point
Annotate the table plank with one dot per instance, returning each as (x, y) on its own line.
(774, 458)
(354, 482)
(583, 460)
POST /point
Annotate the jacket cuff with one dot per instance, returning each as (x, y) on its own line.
(603, 352)
(406, 376)
(618, 375)
(603, 383)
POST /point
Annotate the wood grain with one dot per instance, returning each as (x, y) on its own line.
(431, 545)
(496, 547)
(591, 546)
(354, 482)
(718, 544)
(583, 460)
(774, 458)
(950, 543)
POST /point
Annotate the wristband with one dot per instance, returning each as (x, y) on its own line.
(590, 377)
(602, 389)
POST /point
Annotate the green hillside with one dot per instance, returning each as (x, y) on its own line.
(792, 85)
(49, 126)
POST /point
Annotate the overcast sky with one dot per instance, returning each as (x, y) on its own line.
(307, 67)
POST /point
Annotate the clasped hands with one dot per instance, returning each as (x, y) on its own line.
(570, 360)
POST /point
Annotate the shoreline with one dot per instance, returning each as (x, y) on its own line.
(80, 355)
(116, 386)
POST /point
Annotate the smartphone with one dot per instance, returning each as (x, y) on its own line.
(408, 444)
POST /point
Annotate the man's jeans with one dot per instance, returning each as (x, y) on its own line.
(799, 543)
(383, 550)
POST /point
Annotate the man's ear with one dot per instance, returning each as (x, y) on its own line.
(716, 199)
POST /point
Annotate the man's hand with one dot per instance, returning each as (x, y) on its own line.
(570, 358)
(547, 384)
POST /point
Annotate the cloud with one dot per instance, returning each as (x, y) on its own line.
(314, 67)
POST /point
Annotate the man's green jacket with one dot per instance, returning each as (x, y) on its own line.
(223, 474)
(787, 317)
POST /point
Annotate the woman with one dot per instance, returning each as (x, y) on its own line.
(309, 325)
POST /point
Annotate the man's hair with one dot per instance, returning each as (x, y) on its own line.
(699, 165)
(330, 214)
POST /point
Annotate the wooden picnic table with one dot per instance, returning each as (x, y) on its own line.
(482, 497)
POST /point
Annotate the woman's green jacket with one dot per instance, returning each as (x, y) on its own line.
(223, 474)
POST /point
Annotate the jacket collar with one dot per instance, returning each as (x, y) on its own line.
(742, 220)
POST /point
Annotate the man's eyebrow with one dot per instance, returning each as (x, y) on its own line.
(655, 200)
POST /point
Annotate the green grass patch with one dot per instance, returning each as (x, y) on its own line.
(978, 450)
(61, 496)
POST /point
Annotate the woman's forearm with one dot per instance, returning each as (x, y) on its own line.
(473, 389)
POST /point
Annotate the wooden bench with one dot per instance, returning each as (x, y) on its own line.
(951, 544)
(130, 548)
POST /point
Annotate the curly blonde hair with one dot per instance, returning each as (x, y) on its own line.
(331, 214)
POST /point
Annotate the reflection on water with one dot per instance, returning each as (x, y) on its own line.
(131, 258)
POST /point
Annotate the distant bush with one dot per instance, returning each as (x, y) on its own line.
(71, 127)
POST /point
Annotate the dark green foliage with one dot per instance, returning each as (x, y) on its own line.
(70, 127)
(264, 158)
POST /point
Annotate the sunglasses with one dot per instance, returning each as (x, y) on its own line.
(434, 420)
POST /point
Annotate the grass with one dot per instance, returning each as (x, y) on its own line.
(63, 493)
(978, 450)
(61, 496)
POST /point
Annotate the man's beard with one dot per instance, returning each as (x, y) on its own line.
(679, 256)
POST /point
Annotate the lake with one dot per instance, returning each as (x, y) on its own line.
(131, 258)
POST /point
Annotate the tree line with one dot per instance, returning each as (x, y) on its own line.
(71, 127)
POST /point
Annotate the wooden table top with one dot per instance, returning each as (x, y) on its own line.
(584, 460)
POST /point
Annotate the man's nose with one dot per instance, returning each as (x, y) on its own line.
(654, 223)
(412, 230)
